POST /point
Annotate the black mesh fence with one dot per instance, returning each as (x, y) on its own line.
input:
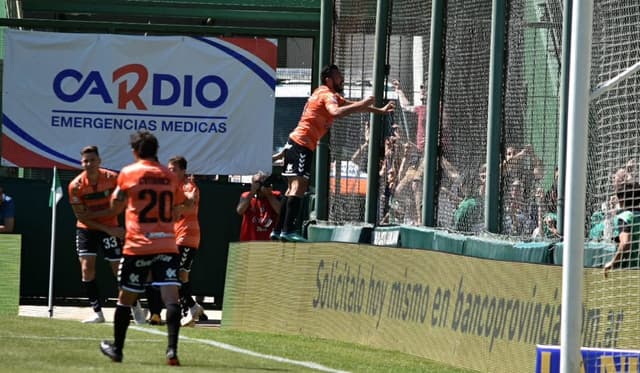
(403, 132)
(463, 128)
(529, 121)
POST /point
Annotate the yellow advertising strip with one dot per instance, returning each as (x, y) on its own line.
(469, 312)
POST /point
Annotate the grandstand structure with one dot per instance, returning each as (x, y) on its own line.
(473, 161)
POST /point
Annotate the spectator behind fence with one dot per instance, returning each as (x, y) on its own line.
(7, 212)
(468, 216)
(604, 222)
(419, 110)
(519, 219)
(628, 224)
(259, 210)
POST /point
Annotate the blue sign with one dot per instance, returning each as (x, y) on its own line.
(595, 360)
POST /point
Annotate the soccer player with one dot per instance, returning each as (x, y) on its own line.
(323, 106)
(97, 227)
(153, 198)
(187, 230)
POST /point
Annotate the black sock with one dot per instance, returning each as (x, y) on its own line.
(173, 325)
(186, 297)
(121, 319)
(293, 209)
(281, 214)
(154, 300)
(91, 290)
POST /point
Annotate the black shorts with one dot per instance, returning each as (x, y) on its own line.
(297, 160)
(134, 270)
(89, 242)
(186, 257)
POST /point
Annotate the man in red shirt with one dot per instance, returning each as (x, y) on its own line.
(152, 197)
(259, 209)
(323, 106)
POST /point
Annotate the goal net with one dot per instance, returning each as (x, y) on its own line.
(612, 176)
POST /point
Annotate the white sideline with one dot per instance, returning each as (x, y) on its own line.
(224, 346)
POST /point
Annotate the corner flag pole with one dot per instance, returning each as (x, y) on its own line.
(54, 197)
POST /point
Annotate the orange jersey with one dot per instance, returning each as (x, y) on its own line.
(316, 120)
(187, 227)
(94, 197)
(152, 191)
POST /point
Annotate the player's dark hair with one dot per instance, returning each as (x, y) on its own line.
(629, 194)
(145, 144)
(180, 161)
(90, 149)
(327, 72)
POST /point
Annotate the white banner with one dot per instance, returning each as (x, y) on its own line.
(210, 100)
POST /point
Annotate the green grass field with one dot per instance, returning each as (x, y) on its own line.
(32, 344)
(48, 345)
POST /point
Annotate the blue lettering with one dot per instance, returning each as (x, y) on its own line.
(158, 79)
(212, 79)
(210, 91)
(93, 81)
(188, 87)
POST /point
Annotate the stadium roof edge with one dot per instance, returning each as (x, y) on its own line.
(270, 15)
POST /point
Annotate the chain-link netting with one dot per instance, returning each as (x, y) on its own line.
(613, 193)
(614, 115)
(402, 144)
(463, 129)
(531, 82)
(408, 53)
(354, 31)
(530, 118)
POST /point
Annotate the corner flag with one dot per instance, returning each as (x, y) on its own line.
(54, 197)
(56, 189)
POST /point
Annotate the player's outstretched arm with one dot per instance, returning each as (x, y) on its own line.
(364, 105)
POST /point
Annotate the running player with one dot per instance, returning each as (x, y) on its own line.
(152, 197)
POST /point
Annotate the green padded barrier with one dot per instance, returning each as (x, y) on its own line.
(449, 242)
(320, 233)
(534, 252)
(596, 254)
(489, 248)
(417, 237)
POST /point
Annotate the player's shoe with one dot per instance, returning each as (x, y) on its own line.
(172, 357)
(292, 237)
(109, 350)
(97, 318)
(155, 319)
(139, 313)
(203, 317)
(274, 236)
(192, 316)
